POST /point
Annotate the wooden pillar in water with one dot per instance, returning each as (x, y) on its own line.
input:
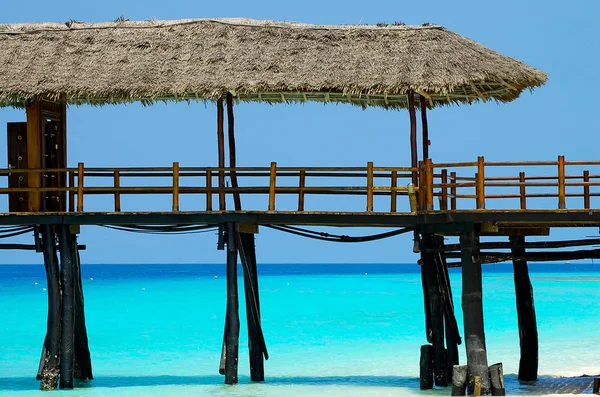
(256, 341)
(437, 310)
(49, 363)
(82, 369)
(472, 306)
(232, 327)
(68, 308)
(528, 335)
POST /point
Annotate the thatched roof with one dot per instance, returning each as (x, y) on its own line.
(102, 63)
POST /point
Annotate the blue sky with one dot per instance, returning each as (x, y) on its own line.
(558, 118)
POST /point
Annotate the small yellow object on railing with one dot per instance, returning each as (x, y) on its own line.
(412, 197)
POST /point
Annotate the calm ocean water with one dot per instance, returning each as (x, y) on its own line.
(331, 330)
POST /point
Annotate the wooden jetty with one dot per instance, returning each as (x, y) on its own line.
(229, 61)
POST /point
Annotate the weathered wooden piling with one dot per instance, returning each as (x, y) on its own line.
(497, 380)
(49, 363)
(528, 335)
(596, 386)
(427, 306)
(472, 306)
(83, 362)
(459, 380)
(437, 311)
(256, 342)
(426, 368)
(232, 330)
(68, 308)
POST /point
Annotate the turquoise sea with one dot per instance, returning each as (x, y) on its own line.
(331, 329)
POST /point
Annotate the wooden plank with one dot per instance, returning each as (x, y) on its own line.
(117, 185)
(301, 186)
(272, 185)
(175, 186)
(80, 175)
(17, 158)
(370, 186)
(586, 189)
(561, 183)
(34, 152)
(480, 183)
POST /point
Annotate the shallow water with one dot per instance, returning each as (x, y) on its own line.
(331, 330)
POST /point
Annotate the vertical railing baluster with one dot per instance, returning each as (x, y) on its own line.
(72, 191)
(586, 189)
(175, 187)
(208, 190)
(453, 191)
(370, 186)
(272, 182)
(444, 199)
(80, 187)
(393, 191)
(522, 190)
(301, 185)
(561, 183)
(117, 185)
(422, 182)
(480, 183)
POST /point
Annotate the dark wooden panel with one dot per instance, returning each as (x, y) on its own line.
(17, 158)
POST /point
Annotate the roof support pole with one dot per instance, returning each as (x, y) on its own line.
(414, 155)
(232, 158)
(221, 144)
(424, 127)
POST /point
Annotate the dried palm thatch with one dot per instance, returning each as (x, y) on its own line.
(264, 61)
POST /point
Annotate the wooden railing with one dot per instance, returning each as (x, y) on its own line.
(486, 183)
(276, 181)
(477, 185)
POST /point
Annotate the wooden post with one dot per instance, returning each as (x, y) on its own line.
(117, 185)
(472, 306)
(429, 184)
(561, 183)
(393, 192)
(272, 185)
(414, 155)
(49, 363)
(596, 387)
(232, 153)
(72, 191)
(256, 341)
(444, 199)
(80, 187)
(426, 368)
(437, 310)
(453, 191)
(480, 183)
(232, 332)
(424, 127)
(175, 187)
(522, 191)
(208, 190)
(459, 380)
(68, 309)
(528, 335)
(301, 185)
(221, 150)
(427, 305)
(83, 363)
(421, 184)
(586, 190)
(370, 186)
(497, 380)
